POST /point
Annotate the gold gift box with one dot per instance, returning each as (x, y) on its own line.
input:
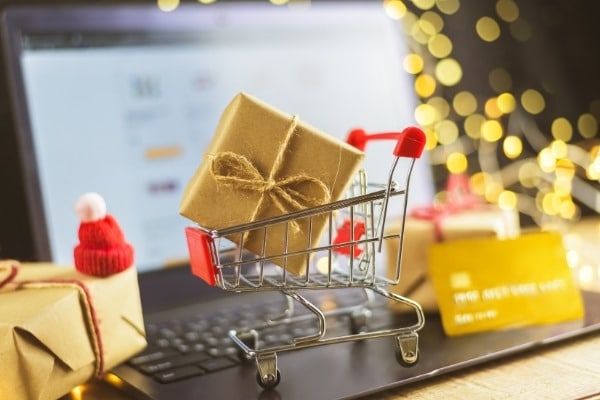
(60, 328)
(420, 234)
(264, 163)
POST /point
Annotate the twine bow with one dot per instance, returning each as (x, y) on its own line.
(288, 194)
(459, 199)
(10, 283)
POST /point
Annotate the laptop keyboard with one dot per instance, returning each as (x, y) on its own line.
(183, 348)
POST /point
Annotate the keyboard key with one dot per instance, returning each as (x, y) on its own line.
(178, 361)
(153, 356)
(178, 374)
(216, 364)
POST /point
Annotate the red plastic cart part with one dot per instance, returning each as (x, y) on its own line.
(200, 257)
(344, 236)
(410, 142)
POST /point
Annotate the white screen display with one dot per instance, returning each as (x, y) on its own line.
(132, 121)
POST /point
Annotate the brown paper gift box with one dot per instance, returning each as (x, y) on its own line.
(268, 139)
(47, 344)
(419, 235)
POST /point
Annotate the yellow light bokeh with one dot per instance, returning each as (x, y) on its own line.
(493, 190)
(506, 102)
(565, 169)
(546, 160)
(530, 175)
(425, 115)
(559, 149)
(520, 30)
(441, 105)
(487, 29)
(500, 80)
(425, 85)
(448, 7)
(447, 132)
(507, 200)
(464, 103)
(413, 63)
(448, 72)
(206, 1)
(473, 125)
(456, 163)
(532, 101)
(550, 203)
(439, 45)
(416, 31)
(562, 187)
(512, 147)
(394, 9)
(593, 169)
(491, 130)
(167, 5)
(568, 209)
(587, 125)
(430, 139)
(477, 183)
(507, 10)
(491, 108)
(427, 27)
(434, 22)
(424, 4)
(561, 129)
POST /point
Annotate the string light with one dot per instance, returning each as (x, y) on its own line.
(502, 122)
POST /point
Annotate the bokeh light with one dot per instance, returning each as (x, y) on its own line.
(487, 29)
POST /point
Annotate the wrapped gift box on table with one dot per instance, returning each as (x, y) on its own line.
(61, 328)
(463, 217)
(264, 163)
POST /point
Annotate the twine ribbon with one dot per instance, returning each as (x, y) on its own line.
(92, 322)
(459, 198)
(234, 170)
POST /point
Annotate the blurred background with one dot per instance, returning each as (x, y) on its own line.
(508, 96)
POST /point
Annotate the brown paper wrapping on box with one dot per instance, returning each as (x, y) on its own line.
(419, 235)
(47, 344)
(260, 133)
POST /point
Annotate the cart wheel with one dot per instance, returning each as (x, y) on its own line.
(269, 381)
(407, 360)
(359, 321)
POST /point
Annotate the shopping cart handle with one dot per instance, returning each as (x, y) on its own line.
(410, 142)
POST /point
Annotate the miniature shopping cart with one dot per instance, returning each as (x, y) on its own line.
(347, 256)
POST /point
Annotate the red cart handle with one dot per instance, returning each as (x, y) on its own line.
(410, 142)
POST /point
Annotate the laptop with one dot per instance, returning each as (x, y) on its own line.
(122, 100)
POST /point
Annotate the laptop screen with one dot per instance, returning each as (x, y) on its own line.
(124, 100)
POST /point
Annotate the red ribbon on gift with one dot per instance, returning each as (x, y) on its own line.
(459, 198)
(90, 311)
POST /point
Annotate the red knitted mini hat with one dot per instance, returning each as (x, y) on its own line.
(102, 249)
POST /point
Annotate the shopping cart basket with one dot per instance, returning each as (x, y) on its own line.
(345, 257)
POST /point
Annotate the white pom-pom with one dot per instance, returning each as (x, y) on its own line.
(90, 207)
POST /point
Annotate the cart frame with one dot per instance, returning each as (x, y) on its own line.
(231, 268)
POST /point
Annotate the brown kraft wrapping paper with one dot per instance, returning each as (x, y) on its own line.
(48, 341)
(291, 164)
